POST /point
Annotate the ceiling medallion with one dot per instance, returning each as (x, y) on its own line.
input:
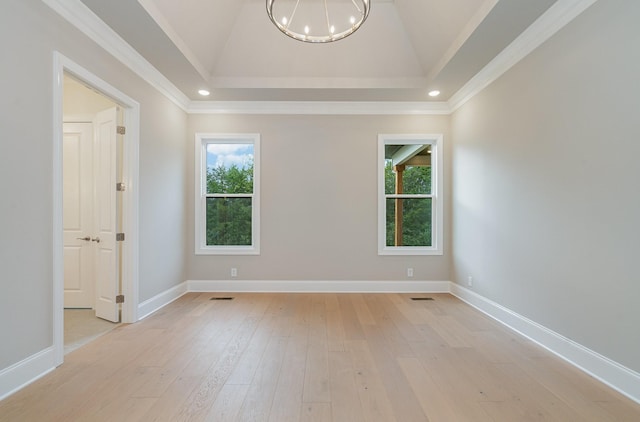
(318, 21)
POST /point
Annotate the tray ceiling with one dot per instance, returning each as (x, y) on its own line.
(404, 49)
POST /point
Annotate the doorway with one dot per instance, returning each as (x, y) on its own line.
(91, 213)
(117, 160)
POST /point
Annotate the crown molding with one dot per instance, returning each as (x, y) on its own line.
(554, 19)
(80, 16)
(319, 82)
(318, 107)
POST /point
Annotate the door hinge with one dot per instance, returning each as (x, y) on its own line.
(121, 187)
(121, 130)
(119, 237)
(120, 299)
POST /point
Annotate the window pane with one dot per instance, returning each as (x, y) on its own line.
(228, 221)
(415, 218)
(389, 178)
(410, 162)
(416, 180)
(229, 168)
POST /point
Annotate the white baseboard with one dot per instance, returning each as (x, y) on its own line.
(20, 374)
(616, 376)
(160, 300)
(312, 286)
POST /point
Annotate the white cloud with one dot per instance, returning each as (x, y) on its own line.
(227, 155)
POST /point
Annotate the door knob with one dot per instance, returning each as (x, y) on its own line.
(96, 239)
(86, 238)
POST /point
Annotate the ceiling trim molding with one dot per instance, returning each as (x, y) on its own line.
(319, 107)
(554, 19)
(150, 7)
(558, 15)
(316, 82)
(471, 26)
(80, 16)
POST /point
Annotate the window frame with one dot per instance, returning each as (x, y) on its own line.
(201, 195)
(437, 204)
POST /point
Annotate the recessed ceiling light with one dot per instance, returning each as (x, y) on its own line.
(203, 92)
(434, 93)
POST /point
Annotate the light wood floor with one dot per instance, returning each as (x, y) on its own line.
(81, 326)
(316, 357)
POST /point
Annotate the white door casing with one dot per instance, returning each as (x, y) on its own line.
(106, 262)
(78, 215)
(130, 198)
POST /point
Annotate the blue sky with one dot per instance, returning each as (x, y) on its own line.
(228, 154)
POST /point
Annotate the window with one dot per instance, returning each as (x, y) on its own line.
(227, 194)
(410, 204)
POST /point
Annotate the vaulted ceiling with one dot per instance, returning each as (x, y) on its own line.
(404, 49)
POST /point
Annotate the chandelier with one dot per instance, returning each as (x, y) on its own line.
(318, 21)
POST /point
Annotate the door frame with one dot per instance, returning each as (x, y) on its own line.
(130, 197)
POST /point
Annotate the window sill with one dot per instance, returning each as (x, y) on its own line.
(409, 250)
(228, 250)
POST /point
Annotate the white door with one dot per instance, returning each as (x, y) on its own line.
(106, 262)
(77, 179)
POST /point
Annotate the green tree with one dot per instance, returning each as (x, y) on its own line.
(416, 213)
(229, 217)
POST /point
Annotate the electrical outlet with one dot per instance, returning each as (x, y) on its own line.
(470, 281)
(409, 272)
(234, 272)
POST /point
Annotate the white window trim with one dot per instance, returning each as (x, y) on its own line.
(435, 140)
(201, 248)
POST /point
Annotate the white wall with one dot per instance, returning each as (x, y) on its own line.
(546, 184)
(318, 199)
(29, 34)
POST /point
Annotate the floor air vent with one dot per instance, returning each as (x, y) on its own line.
(222, 298)
(421, 298)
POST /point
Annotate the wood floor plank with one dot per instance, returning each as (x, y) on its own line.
(386, 329)
(531, 399)
(316, 376)
(316, 412)
(335, 330)
(435, 402)
(362, 310)
(412, 310)
(132, 408)
(228, 403)
(257, 403)
(345, 403)
(171, 402)
(349, 318)
(202, 399)
(454, 333)
(246, 368)
(442, 367)
(315, 357)
(397, 307)
(399, 392)
(369, 383)
(80, 393)
(287, 397)
(571, 386)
